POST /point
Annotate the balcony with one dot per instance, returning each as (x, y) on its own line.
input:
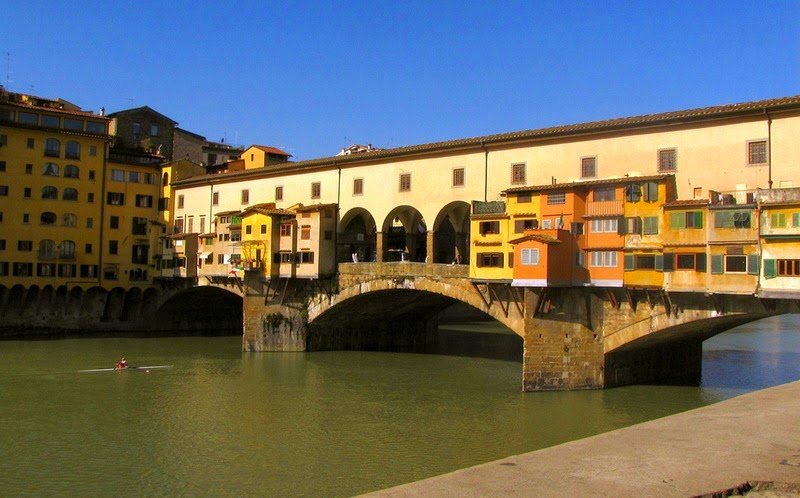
(732, 198)
(605, 208)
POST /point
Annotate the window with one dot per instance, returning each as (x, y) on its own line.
(489, 227)
(47, 218)
(604, 225)
(602, 194)
(735, 264)
(305, 233)
(92, 150)
(67, 249)
(49, 192)
(650, 225)
(458, 177)
(248, 229)
(117, 175)
(113, 222)
(190, 224)
(522, 225)
(23, 269)
(26, 218)
(3, 190)
(180, 201)
(52, 147)
(777, 220)
(633, 225)
(202, 224)
(27, 192)
(113, 246)
(90, 197)
(286, 229)
(633, 192)
(263, 229)
(69, 220)
(607, 259)
(490, 259)
(50, 121)
(732, 219)
(163, 203)
(305, 257)
(358, 186)
(70, 194)
(645, 262)
(756, 152)
(576, 228)
(50, 169)
(650, 191)
(153, 130)
(667, 160)
(588, 167)
(115, 199)
(71, 171)
(73, 124)
(523, 198)
(405, 182)
(29, 169)
(2, 165)
(2, 244)
(279, 193)
(245, 196)
(72, 150)
(25, 245)
(786, 267)
(687, 219)
(88, 271)
(89, 222)
(518, 173)
(316, 187)
(557, 198)
(215, 199)
(137, 131)
(27, 118)
(144, 201)
(178, 227)
(31, 143)
(134, 177)
(529, 257)
(139, 226)
(91, 174)
(97, 127)
(45, 270)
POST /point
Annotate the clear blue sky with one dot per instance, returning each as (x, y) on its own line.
(313, 77)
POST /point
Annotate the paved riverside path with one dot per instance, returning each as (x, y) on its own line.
(753, 437)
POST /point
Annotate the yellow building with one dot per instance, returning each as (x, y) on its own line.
(492, 253)
(780, 243)
(52, 158)
(262, 230)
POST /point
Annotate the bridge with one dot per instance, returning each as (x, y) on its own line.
(573, 337)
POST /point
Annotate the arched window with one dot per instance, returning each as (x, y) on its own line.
(72, 150)
(165, 180)
(52, 147)
(70, 194)
(48, 218)
(50, 169)
(66, 249)
(69, 220)
(49, 192)
(71, 171)
(47, 249)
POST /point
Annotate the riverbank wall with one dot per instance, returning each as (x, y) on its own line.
(751, 441)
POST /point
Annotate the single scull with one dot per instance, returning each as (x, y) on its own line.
(152, 367)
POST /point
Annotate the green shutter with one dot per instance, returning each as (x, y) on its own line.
(630, 263)
(723, 219)
(659, 262)
(770, 268)
(717, 264)
(652, 191)
(752, 264)
(669, 261)
(778, 220)
(650, 225)
(677, 220)
(698, 219)
(796, 219)
(700, 262)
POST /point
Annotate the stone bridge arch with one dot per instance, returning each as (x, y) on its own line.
(202, 310)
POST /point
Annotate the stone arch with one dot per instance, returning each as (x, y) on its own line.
(203, 310)
(451, 234)
(113, 305)
(404, 235)
(357, 234)
(131, 303)
(94, 301)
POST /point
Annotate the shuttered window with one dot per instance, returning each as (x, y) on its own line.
(777, 220)
(529, 257)
(650, 225)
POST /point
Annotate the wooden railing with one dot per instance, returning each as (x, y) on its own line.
(605, 208)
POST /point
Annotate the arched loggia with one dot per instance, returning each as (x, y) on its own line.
(357, 237)
(451, 234)
(404, 236)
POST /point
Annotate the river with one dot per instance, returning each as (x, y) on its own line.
(225, 423)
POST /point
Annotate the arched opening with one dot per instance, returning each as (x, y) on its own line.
(357, 238)
(405, 235)
(204, 310)
(412, 321)
(451, 234)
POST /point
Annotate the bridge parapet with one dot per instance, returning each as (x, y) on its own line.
(404, 269)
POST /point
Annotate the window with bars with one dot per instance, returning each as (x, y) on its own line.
(757, 152)
(245, 196)
(588, 167)
(358, 186)
(556, 198)
(279, 193)
(215, 199)
(458, 177)
(518, 173)
(316, 189)
(667, 160)
(405, 182)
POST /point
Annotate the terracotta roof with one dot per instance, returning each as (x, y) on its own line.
(547, 239)
(489, 216)
(227, 213)
(518, 215)
(753, 108)
(590, 183)
(314, 207)
(268, 209)
(272, 150)
(686, 202)
(195, 135)
(207, 235)
(487, 244)
(147, 109)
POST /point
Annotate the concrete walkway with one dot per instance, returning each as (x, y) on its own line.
(753, 437)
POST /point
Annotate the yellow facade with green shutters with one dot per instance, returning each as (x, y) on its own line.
(52, 158)
(491, 255)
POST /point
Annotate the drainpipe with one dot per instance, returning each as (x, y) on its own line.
(102, 201)
(485, 172)
(769, 147)
(336, 216)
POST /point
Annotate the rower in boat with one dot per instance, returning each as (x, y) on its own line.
(123, 363)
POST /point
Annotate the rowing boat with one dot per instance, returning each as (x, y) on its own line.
(147, 368)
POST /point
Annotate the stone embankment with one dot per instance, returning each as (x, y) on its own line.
(751, 441)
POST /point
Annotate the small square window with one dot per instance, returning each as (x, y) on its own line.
(518, 173)
(91, 174)
(92, 150)
(2, 165)
(757, 152)
(458, 177)
(316, 188)
(27, 193)
(29, 169)
(358, 186)
(31, 143)
(667, 160)
(588, 167)
(113, 246)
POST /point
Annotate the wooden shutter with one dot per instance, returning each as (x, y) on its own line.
(669, 261)
(752, 264)
(677, 220)
(698, 219)
(652, 191)
(770, 268)
(717, 264)
(650, 225)
(519, 226)
(659, 262)
(796, 219)
(700, 262)
(630, 262)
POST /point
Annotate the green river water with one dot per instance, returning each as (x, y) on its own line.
(224, 423)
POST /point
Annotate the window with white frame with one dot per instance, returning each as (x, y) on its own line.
(604, 225)
(605, 259)
(529, 257)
